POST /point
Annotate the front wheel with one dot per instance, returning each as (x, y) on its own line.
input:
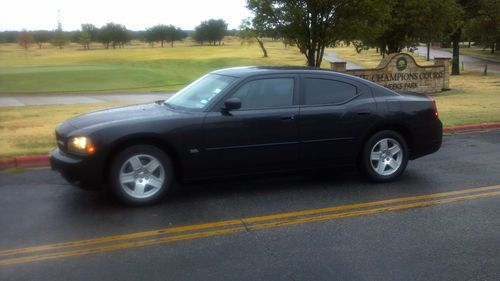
(141, 175)
(384, 156)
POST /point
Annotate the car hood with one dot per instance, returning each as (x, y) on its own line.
(120, 114)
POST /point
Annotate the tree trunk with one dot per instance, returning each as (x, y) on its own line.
(428, 51)
(455, 61)
(498, 45)
(172, 44)
(162, 43)
(493, 48)
(393, 48)
(261, 44)
(310, 58)
(320, 57)
(382, 50)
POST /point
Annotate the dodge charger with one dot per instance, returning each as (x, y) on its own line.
(247, 120)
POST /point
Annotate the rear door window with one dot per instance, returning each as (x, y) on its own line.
(318, 91)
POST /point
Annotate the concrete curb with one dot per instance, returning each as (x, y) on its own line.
(24, 161)
(473, 127)
(43, 160)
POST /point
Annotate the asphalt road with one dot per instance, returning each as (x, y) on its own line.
(222, 230)
(471, 62)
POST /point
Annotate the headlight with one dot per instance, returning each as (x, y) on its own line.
(81, 146)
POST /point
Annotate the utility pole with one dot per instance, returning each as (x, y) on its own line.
(59, 39)
(59, 25)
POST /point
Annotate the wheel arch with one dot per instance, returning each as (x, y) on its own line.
(153, 140)
(401, 129)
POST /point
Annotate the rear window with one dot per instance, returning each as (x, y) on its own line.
(324, 91)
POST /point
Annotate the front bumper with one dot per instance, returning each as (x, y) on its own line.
(84, 172)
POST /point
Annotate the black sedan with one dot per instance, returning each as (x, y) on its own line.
(247, 120)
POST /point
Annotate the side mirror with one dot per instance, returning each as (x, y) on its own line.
(231, 104)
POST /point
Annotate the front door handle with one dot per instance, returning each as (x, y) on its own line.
(287, 117)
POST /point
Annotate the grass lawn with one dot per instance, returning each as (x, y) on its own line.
(30, 129)
(474, 98)
(135, 68)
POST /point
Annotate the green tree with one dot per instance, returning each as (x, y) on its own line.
(41, 36)
(469, 9)
(434, 21)
(113, 34)
(165, 33)
(150, 37)
(485, 26)
(200, 34)
(24, 39)
(174, 34)
(159, 33)
(212, 31)
(248, 32)
(59, 40)
(9, 36)
(85, 39)
(412, 21)
(314, 25)
(92, 31)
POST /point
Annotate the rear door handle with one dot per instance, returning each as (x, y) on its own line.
(363, 113)
(287, 117)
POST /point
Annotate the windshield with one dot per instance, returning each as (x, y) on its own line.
(198, 94)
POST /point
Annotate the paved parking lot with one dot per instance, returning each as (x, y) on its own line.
(438, 222)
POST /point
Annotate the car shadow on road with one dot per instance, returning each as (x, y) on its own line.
(318, 186)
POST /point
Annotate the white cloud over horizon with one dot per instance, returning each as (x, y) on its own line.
(135, 15)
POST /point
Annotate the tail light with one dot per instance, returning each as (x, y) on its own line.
(434, 107)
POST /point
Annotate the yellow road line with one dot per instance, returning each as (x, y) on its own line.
(127, 245)
(115, 238)
(373, 211)
(137, 235)
(142, 243)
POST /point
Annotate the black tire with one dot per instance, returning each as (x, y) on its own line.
(152, 189)
(384, 172)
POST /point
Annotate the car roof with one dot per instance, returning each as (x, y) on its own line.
(246, 71)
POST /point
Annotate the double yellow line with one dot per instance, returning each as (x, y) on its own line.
(166, 235)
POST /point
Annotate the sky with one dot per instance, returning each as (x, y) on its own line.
(135, 15)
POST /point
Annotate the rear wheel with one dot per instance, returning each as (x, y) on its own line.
(385, 156)
(141, 175)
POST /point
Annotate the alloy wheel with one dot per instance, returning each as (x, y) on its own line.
(142, 176)
(386, 156)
